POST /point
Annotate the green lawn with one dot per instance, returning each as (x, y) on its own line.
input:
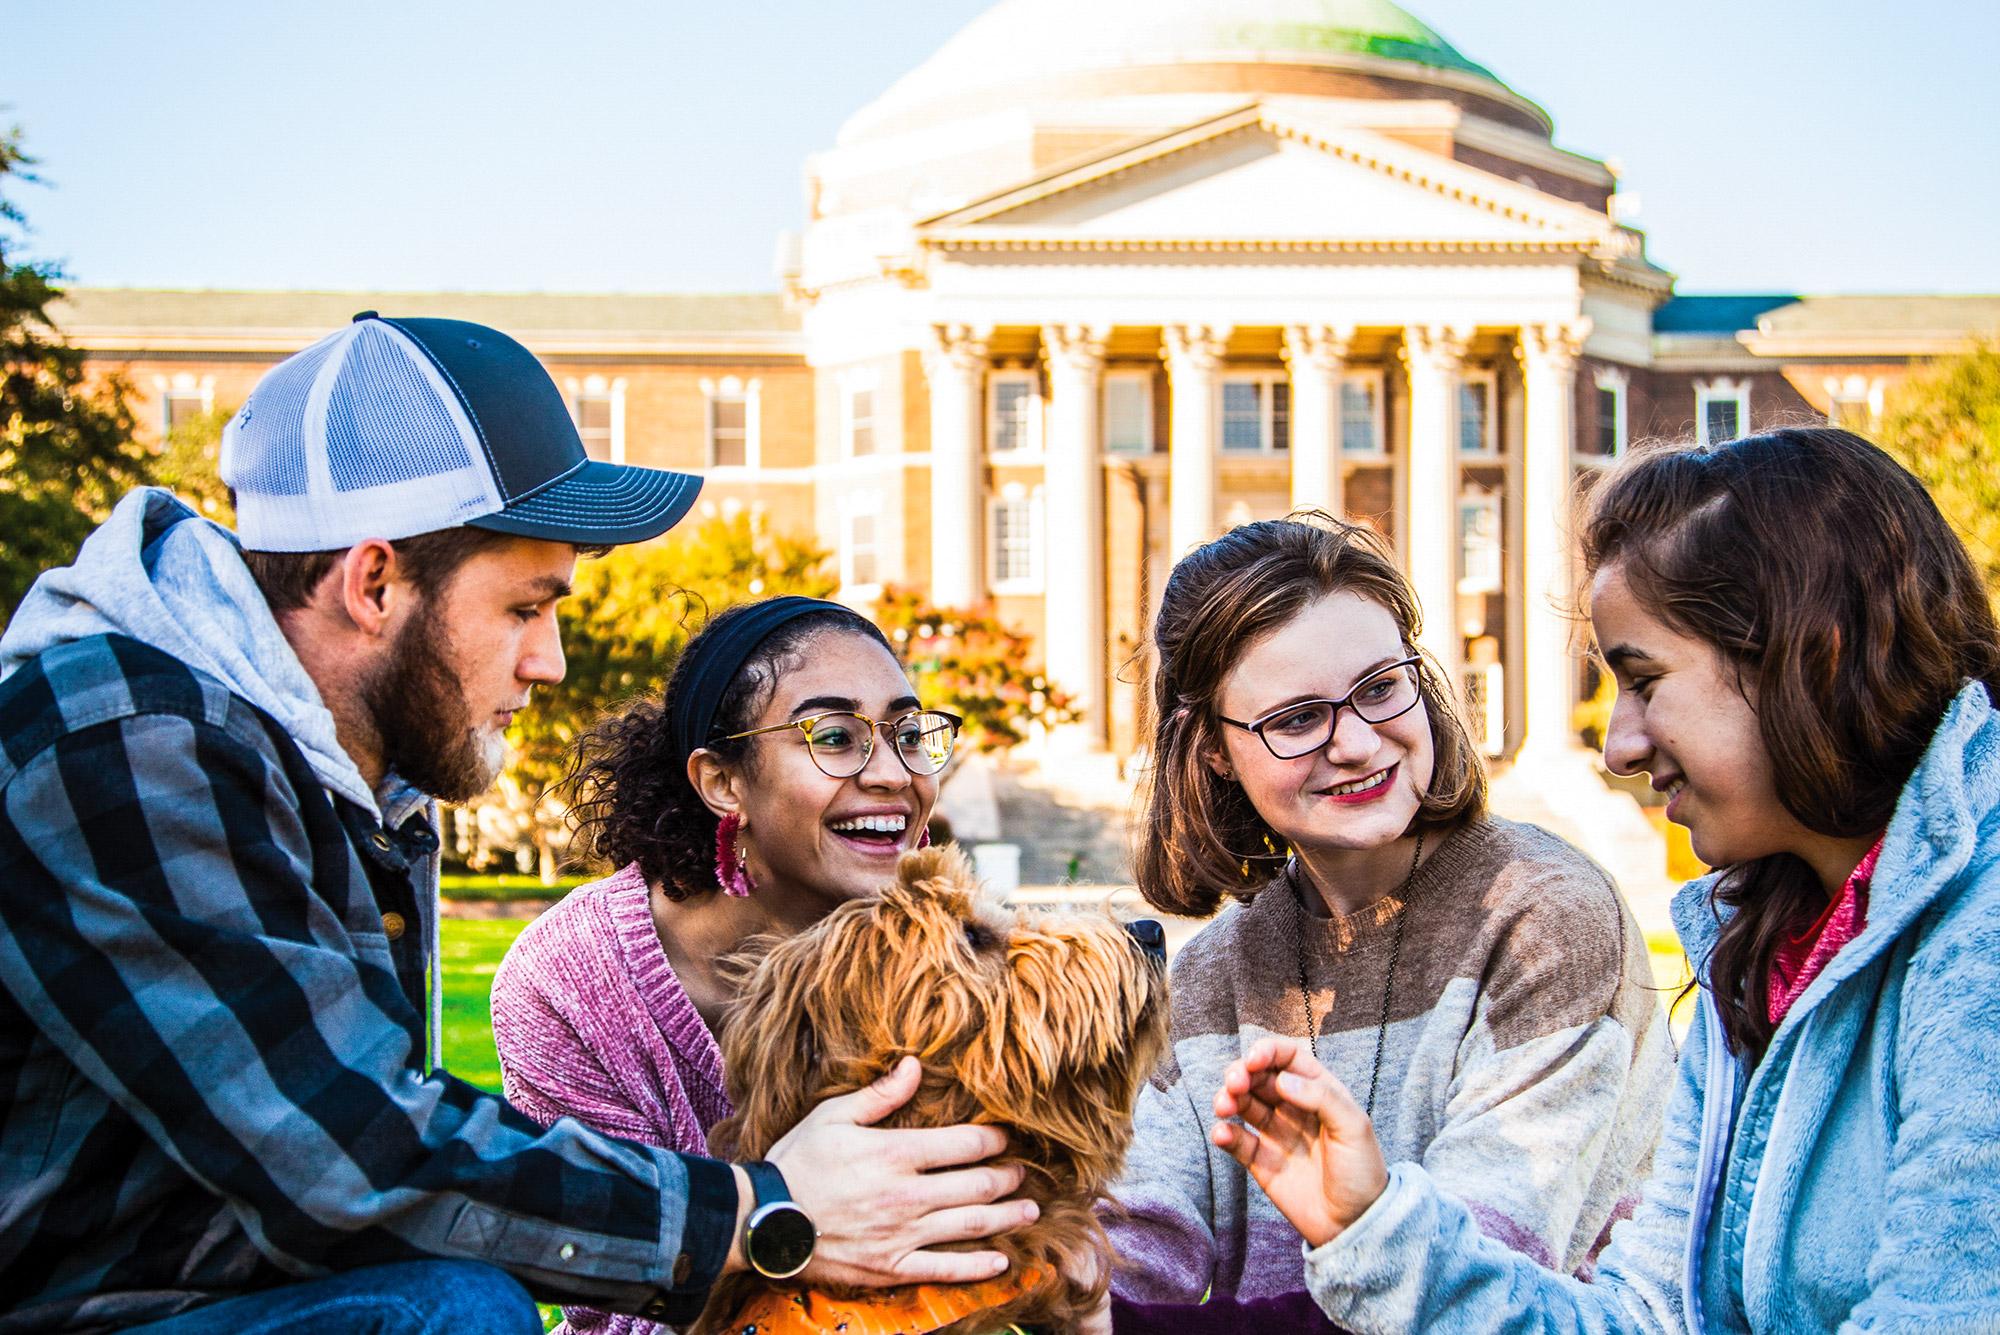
(472, 951)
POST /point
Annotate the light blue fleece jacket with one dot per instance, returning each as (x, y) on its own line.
(1851, 1181)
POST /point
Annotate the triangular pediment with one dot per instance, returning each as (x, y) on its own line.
(1256, 175)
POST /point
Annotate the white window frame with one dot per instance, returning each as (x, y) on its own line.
(1612, 380)
(749, 393)
(1859, 391)
(1490, 433)
(609, 391)
(1475, 497)
(860, 505)
(182, 385)
(1374, 380)
(1267, 406)
(860, 380)
(1030, 441)
(1143, 380)
(1720, 391)
(1035, 580)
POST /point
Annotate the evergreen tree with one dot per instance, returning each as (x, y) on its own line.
(66, 451)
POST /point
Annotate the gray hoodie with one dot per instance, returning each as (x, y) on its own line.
(158, 572)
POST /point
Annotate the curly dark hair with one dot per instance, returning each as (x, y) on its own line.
(630, 796)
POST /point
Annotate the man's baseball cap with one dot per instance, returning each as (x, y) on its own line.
(393, 427)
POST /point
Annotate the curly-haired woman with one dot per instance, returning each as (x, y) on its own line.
(1480, 982)
(781, 773)
(1807, 663)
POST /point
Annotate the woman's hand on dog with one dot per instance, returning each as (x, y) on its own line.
(1301, 1135)
(878, 1200)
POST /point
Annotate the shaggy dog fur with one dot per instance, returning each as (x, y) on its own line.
(1042, 1023)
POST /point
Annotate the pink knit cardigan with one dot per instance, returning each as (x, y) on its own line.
(591, 1023)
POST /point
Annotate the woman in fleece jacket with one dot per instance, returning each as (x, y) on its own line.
(1478, 982)
(1806, 661)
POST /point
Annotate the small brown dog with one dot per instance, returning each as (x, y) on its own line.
(1044, 1023)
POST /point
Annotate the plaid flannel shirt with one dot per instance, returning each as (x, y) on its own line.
(212, 1053)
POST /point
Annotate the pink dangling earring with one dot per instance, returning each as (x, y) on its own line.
(924, 837)
(730, 872)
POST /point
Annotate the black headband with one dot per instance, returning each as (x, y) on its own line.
(715, 657)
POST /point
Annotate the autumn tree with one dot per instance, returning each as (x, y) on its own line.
(1943, 424)
(973, 665)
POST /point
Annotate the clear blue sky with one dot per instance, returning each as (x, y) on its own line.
(656, 145)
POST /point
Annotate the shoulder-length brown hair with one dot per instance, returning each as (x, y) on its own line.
(1823, 573)
(1200, 838)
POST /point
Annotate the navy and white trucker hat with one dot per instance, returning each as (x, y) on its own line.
(393, 427)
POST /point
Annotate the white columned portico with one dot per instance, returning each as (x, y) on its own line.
(1433, 355)
(1548, 356)
(1317, 355)
(955, 365)
(1193, 355)
(1074, 504)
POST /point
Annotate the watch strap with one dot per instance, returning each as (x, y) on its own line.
(767, 1184)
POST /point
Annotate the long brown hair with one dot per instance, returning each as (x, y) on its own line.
(1824, 575)
(1201, 838)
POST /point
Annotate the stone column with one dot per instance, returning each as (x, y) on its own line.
(1433, 355)
(1193, 355)
(955, 365)
(1548, 356)
(1316, 354)
(1073, 501)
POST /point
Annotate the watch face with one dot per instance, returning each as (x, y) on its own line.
(780, 1240)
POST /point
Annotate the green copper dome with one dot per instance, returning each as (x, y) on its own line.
(1042, 44)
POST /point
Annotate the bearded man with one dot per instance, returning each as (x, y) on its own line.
(220, 755)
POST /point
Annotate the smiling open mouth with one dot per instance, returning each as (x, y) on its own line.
(1372, 783)
(878, 831)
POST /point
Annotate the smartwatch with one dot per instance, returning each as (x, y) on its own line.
(779, 1237)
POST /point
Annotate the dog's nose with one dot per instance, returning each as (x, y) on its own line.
(1150, 937)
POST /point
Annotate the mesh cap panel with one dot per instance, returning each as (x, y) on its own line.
(385, 395)
(262, 450)
(359, 436)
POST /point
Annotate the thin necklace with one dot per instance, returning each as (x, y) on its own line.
(1388, 980)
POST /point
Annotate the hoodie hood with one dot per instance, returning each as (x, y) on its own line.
(161, 574)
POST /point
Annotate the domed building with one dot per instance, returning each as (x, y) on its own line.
(1100, 279)
(1112, 277)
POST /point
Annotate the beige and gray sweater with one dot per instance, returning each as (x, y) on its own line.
(1525, 1063)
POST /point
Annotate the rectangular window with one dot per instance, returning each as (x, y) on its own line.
(1722, 411)
(1361, 417)
(1610, 412)
(1479, 542)
(184, 406)
(860, 421)
(1723, 419)
(1242, 415)
(1256, 414)
(1476, 427)
(861, 556)
(593, 423)
(1016, 545)
(1128, 412)
(728, 431)
(1011, 406)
